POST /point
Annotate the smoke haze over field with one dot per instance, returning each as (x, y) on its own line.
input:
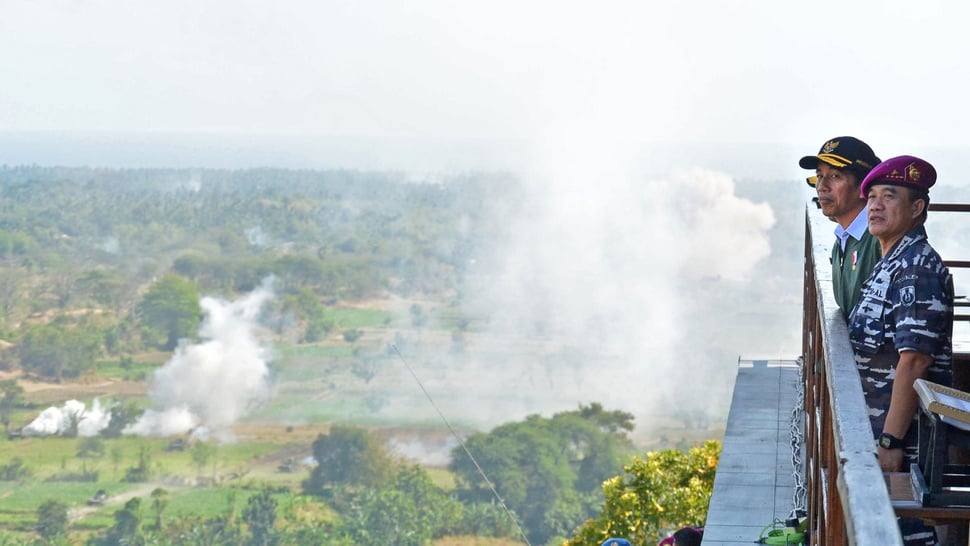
(72, 415)
(610, 272)
(204, 388)
(208, 386)
(632, 268)
(599, 289)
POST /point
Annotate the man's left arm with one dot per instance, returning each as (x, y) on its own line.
(912, 365)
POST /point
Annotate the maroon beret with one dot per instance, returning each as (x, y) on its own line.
(905, 170)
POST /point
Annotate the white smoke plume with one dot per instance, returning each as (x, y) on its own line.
(604, 285)
(55, 421)
(620, 274)
(209, 385)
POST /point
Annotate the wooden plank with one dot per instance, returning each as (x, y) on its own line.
(905, 502)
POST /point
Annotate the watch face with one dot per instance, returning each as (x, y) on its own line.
(888, 442)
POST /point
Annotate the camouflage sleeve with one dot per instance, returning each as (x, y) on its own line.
(920, 309)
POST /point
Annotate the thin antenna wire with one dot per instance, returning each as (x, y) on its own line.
(454, 433)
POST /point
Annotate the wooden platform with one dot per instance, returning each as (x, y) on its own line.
(755, 483)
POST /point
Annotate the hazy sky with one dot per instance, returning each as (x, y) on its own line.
(580, 92)
(623, 74)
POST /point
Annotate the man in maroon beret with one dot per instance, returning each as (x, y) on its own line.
(840, 166)
(901, 329)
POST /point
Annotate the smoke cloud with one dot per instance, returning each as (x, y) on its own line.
(621, 272)
(203, 389)
(72, 415)
(210, 385)
(602, 285)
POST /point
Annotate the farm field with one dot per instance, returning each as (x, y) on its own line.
(368, 383)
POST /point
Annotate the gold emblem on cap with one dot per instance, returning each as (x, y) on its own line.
(830, 146)
(912, 172)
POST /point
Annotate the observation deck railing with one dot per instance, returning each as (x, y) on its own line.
(848, 500)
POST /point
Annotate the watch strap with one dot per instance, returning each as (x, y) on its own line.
(888, 441)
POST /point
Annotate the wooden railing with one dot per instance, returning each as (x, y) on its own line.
(961, 309)
(848, 500)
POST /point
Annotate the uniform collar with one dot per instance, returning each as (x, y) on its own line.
(912, 237)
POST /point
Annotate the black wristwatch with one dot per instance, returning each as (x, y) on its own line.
(888, 441)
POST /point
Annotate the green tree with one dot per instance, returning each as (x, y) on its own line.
(656, 494)
(171, 308)
(418, 318)
(366, 367)
(159, 504)
(123, 414)
(107, 287)
(127, 528)
(60, 349)
(609, 421)
(11, 397)
(12, 285)
(142, 471)
(317, 328)
(352, 334)
(62, 284)
(347, 456)
(90, 447)
(260, 516)
(52, 520)
(548, 471)
(201, 452)
(305, 305)
(409, 510)
(487, 519)
(300, 271)
(14, 470)
(117, 454)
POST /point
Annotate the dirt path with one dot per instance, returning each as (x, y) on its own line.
(143, 490)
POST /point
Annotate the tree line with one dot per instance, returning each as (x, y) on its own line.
(549, 480)
(101, 262)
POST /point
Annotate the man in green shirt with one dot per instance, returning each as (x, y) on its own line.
(840, 166)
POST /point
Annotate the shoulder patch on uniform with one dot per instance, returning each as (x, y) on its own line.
(907, 295)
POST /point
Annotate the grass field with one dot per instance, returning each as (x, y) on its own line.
(236, 471)
(360, 318)
(363, 383)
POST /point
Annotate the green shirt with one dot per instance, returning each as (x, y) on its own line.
(851, 268)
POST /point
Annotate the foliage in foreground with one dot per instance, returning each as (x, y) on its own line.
(395, 503)
(382, 501)
(655, 495)
(548, 471)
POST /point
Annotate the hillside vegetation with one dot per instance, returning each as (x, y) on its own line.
(103, 279)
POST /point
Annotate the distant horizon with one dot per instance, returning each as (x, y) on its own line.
(419, 155)
(422, 156)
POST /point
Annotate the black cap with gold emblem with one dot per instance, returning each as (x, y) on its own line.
(842, 153)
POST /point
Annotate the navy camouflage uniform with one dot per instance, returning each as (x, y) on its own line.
(906, 304)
